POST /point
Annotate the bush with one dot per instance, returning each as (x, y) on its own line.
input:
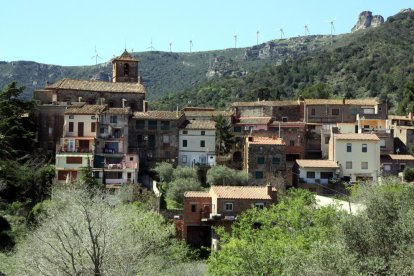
(222, 175)
(408, 174)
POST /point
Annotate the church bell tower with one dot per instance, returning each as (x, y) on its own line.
(125, 68)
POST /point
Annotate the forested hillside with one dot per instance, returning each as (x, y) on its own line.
(376, 62)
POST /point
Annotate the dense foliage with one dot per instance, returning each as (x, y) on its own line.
(295, 238)
(222, 175)
(369, 63)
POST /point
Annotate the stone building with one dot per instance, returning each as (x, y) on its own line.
(154, 136)
(277, 110)
(124, 90)
(263, 158)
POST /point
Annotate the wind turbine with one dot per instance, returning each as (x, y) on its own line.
(191, 45)
(235, 40)
(282, 34)
(257, 36)
(170, 46)
(96, 56)
(307, 30)
(331, 22)
(151, 47)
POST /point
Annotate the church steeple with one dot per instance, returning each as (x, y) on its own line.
(125, 68)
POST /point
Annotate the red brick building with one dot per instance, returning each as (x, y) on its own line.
(220, 207)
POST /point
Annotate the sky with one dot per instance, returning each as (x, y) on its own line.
(67, 32)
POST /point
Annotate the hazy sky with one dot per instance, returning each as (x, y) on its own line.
(66, 32)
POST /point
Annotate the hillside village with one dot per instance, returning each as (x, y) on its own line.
(322, 145)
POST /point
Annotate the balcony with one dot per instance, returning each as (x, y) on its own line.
(121, 166)
(75, 145)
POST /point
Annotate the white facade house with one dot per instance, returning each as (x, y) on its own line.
(314, 175)
(197, 143)
(358, 155)
(78, 142)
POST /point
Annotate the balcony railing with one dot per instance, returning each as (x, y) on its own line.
(121, 166)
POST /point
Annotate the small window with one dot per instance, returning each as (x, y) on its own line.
(93, 117)
(310, 175)
(364, 148)
(292, 143)
(228, 206)
(348, 165)
(203, 132)
(260, 160)
(387, 167)
(71, 126)
(73, 160)
(202, 143)
(276, 160)
(131, 158)
(185, 132)
(335, 111)
(382, 144)
(326, 175)
(184, 159)
(364, 165)
(327, 140)
(348, 147)
(93, 127)
(284, 119)
(259, 205)
(184, 143)
(129, 175)
(258, 175)
(140, 138)
(193, 208)
(165, 139)
(313, 112)
(237, 129)
(113, 119)
(71, 117)
(165, 125)
(152, 124)
(140, 124)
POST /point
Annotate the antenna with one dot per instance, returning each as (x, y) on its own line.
(235, 40)
(191, 45)
(257, 36)
(151, 47)
(307, 30)
(96, 56)
(282, 34)
(170, 46)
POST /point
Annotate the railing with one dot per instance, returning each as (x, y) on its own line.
(120, 166)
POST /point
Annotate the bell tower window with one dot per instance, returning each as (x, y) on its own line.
(126, 70)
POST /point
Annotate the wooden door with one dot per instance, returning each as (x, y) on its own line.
(80, 129)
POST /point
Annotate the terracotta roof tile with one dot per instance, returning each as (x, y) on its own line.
(407, 157)
(97, 86)
(266, 103)
(356, 136)
(201, 124)
(162, 115)
(126, 56)
(85, 109)
(367, 101)
(316, 163)
(207, 113)
(196, 194)
(267, 141)
(240, 192)
(254, 120)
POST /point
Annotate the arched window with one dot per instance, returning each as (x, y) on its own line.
(126, 70)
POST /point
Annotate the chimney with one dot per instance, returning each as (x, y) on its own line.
(410, 115)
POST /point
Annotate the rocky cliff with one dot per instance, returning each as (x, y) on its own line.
(367, 20)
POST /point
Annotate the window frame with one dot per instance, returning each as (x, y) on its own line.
(260, 160)
(311, 174)
(202, 143)
(348, 147)
(362, 165)
(184, 143)
(364, 148)
(228, 206)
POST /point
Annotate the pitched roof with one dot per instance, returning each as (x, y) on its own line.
(401, 118)
(118, 111)
(254, 120)
(207, 113)
(266, 103)
(367, 101)
(97, 86)
(196, 194)
(154, 114)
(126, 56)
(316, 163)
(257, 140)
(356, 136)
(201, 124)
(407, 157)
(85, 109)
(240, 192)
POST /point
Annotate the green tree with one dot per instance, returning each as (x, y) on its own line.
(406, 105)
(87, 180)
(408, 174)
(316, 91)
(222, 175)
(224, 138)
(179, 186)
(264, 242)
(165, 171)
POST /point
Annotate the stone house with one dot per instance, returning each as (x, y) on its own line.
(154, 136)
(220, 206)
(264, 157)
(393, 164)
(125, 90)
(197, 143)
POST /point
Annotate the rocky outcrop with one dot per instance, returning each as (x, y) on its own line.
(224, 67)
(367, 20)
